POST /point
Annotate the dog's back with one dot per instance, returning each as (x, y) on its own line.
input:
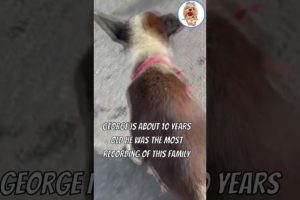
(161, 97)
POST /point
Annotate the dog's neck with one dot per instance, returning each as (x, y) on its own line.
(159, 59)
(147, 48)
(144, 43)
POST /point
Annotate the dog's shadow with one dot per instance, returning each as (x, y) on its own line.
(121, 179)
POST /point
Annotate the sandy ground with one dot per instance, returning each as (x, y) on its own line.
(120, 178)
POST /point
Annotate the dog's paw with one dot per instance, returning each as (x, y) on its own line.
(163, 188)
(135, 160)
(152, 172)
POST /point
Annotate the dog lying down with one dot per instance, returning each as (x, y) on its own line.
(159, 94)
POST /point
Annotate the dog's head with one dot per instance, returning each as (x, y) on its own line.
(131, 32)
(190, 10)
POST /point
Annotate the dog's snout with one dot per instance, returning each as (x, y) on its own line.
(190, 9)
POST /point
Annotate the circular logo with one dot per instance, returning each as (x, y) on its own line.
(191, 14)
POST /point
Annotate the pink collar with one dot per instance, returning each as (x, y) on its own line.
(155, 59)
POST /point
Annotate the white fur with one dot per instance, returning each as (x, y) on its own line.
(152, 172)
(202, 192)
(135, 160)
(145, 43)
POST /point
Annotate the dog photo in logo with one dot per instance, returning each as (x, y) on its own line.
(191, 13)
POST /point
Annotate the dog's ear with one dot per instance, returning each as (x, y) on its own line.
(117, 30)
(172, 24)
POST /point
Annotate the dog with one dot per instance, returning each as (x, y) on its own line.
(158, 93)
(190, 13)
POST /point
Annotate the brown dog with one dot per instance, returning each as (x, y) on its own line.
(158, 94)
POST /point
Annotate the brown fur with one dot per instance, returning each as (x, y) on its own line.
(159, 97)
(153, 23)
(250, 126)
